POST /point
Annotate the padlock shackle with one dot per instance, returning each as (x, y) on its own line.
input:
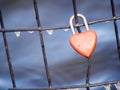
(84, 20)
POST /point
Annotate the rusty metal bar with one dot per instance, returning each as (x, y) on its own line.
(115, 26)
(69, 87)
(7, 51)
(61, 27)
(75, 14)
(42, 44)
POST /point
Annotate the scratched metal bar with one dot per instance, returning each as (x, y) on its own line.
(7, 51)
(115, 26)
(42, 44)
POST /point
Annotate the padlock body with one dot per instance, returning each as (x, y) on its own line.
(84, 43)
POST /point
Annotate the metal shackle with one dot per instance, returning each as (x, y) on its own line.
(84, 20)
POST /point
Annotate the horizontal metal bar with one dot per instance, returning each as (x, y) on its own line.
(69, 87)
(60, 27)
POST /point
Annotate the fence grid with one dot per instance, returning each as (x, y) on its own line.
(39, 28)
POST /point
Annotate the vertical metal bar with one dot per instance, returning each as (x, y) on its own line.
(7, 51)
(89, 61)
(88, 74)
(75, 14)
(115, 26)
(78, 28)
(42, 44)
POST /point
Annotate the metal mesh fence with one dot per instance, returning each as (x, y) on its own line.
(39, 28)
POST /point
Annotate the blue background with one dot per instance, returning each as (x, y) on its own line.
(66, 66)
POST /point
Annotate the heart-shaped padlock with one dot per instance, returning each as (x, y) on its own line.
(85, 42)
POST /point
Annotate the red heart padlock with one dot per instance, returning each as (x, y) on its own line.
(84, 43)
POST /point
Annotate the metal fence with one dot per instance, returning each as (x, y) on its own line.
(39, 28)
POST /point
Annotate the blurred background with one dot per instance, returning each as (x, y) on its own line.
(67, 67)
